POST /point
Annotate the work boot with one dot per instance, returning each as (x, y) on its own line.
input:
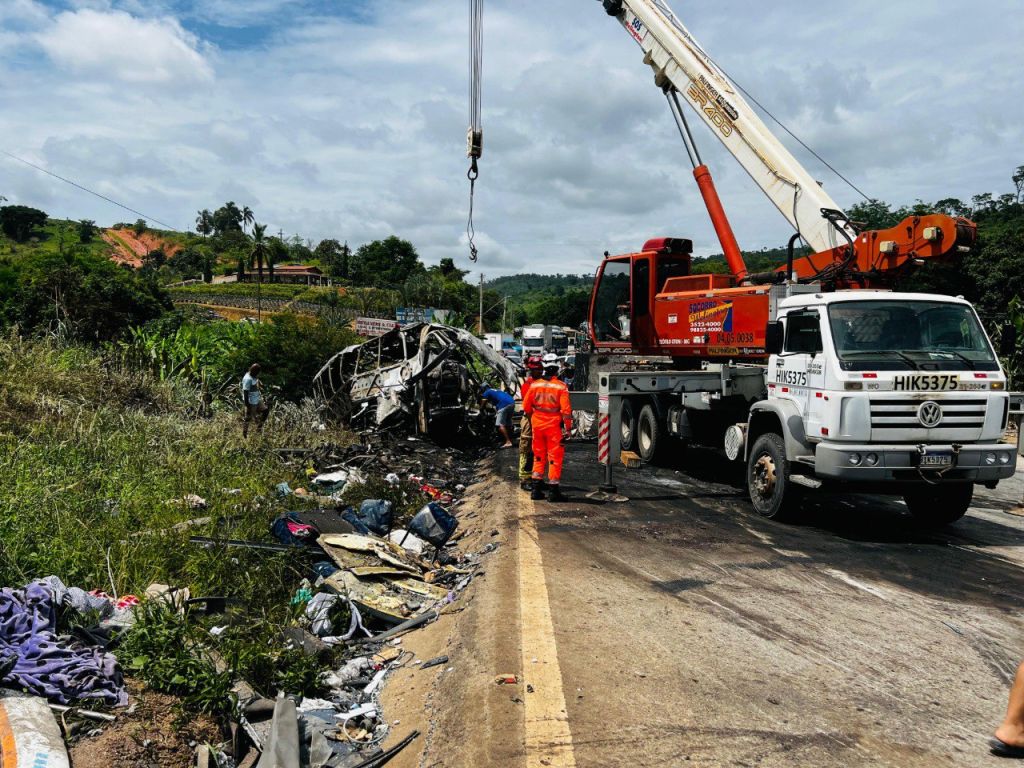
(526, 484)
(537, 494)
(555, 494)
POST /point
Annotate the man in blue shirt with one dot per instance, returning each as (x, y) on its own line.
(505, 405)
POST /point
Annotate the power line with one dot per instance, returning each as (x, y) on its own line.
(86, 189)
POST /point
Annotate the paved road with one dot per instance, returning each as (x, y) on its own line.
(690, 631)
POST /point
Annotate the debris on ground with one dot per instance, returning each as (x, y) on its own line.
(420, 375)
(373, 535)
(29, 734)
(35, 659)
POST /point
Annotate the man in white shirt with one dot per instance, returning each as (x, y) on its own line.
(252, 395)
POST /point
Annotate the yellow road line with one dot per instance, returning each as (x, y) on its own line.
(548, 738)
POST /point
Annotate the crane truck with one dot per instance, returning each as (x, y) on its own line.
(817, 373)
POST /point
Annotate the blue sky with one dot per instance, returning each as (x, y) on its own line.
(347, 119)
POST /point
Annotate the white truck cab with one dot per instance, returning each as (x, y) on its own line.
(894, 392)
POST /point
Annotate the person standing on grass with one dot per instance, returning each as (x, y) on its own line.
(504, 404)
(252, 395)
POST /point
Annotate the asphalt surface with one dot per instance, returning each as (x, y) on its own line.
(691, 631)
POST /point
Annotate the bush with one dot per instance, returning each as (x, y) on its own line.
(291, 350)
(86, 295)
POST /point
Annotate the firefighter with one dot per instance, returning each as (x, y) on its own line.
(547, 404)
(535, 369)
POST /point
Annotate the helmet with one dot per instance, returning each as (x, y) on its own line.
(533, 362)
(550, 360)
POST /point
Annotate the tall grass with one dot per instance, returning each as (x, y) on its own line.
(95, 457)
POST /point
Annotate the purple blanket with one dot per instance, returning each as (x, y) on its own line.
(62, 671)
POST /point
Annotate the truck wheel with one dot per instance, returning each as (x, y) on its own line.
(938, 506)
(773, 494)
(627, 425)
(648, 434)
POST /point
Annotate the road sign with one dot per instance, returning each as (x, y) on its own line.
(374, 326)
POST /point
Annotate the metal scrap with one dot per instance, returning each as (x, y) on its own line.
(421, 375)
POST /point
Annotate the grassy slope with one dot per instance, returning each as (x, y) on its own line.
(55, 235)
(92, 456)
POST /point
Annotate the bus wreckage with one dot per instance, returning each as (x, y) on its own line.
(421, 375)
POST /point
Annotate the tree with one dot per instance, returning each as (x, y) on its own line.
(951, 206)
(259, 248)
(983, 203)
(875, 214)
(93, 298)
(227, 218)
(18, 222)
(241, 268)
(385, 263)
(204, 222)
(139, 227)
(1018, 182)
(247, 218)
(86, 229)
(334, 257)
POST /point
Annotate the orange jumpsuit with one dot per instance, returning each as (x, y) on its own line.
(547, 405)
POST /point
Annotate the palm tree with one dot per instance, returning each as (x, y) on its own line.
(204, 222)
(259, 248)
(247, 217)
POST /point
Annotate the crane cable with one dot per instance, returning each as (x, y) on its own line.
(475, 135)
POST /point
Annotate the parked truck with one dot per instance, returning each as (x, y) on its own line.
(814, 374)
(538, 339)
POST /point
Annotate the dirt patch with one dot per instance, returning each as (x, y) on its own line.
(154, 735)
(465, 718)
(131, 249)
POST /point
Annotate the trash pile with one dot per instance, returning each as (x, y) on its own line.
(375, 570)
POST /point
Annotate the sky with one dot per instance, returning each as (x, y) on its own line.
(347, 119)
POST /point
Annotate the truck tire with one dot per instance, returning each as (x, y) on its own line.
(772, 492)
(935, 506)
(649, 434)
(627, 425)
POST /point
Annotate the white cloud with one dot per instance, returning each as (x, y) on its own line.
(120, 46)
(329, 126)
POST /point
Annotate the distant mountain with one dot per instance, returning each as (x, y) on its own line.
(516, 286)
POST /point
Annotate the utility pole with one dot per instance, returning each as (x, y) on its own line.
(480, 324)
(504, 314)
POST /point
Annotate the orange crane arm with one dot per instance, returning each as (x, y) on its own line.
(875, 258)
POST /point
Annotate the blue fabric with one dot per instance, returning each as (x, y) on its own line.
(498, 398)
(61, 671)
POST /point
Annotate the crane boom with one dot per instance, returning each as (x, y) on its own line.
(681, 63)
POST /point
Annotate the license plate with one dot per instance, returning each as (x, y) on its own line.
(937, 460)
(923, 382)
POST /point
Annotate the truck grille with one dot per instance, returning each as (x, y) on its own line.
(957, 414)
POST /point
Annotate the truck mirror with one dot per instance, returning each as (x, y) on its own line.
(773, 336)
(1008, 340)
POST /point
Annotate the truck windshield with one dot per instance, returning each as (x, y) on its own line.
(909, 335)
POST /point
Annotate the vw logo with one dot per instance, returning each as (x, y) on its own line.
(929, 414)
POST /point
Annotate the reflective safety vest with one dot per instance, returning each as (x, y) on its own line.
(550, 398)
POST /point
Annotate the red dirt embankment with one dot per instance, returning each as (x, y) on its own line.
(129, 248)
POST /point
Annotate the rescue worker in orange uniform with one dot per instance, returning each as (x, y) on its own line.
(547, 405)
(535, 369)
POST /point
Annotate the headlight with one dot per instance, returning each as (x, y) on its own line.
(990, 458)
(1004, 458)
(854, 459)
(871, 459)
